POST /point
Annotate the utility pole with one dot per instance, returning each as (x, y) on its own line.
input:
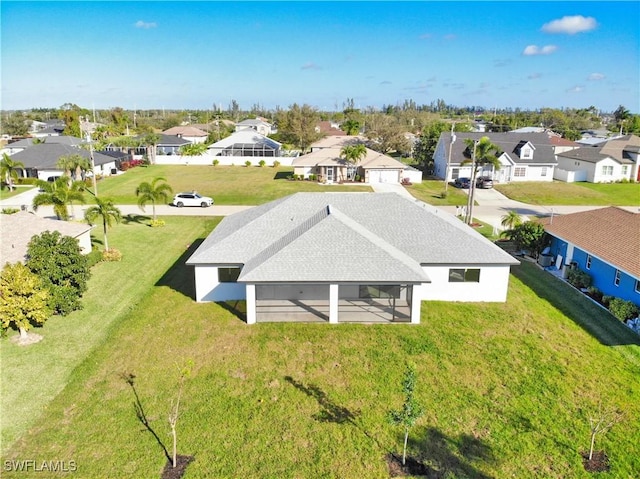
(446, 171)
(472, 186)
(93, 165)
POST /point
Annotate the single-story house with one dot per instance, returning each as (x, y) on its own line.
(522, 156)
(336, 141)
(605, 243)
(189, 133)
(17, 230)
(23, 144)
(246, 145)
(40, 161)
(613, 160)
(342, 257)
(329, 128)
(329, 167)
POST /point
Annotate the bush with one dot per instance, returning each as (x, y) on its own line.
(595, 293)
(276, 164)
(444, 194)
(157, 223)
(578, 278)
(27, 181)
(358, 178)
(606, 300)
(9, 211)
(215, 162)
(125, 165)
(111, 254)
(247, 163)
(623, 309)
(313, 177)
(262, 163)
(94, 257)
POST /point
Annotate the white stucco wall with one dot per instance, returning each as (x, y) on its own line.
(208, 288)
(493, 285)
(207, 159)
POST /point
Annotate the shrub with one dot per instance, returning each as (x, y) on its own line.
(290, 177)
(94, 257)
(125, 165)
(27, 181)
(606, 299)
(444, 194)
(358, 178)
(9, 211)
(313, 177)
(578, 278)
(623, 309)
(247, 163)
(262, 163)
(157, 223)
(276, 164)
(111, 254)
(595, 293)
(216, 162)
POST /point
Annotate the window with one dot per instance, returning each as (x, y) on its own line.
(637, 286)
(616, 280)
(228, 275)
(379, 291)
(520, 171)
(625, 170)
(527, 154)
(607, 170)
(588, 262)
(544, 171)
(460, 275)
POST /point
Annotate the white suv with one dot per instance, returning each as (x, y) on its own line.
(191, 199)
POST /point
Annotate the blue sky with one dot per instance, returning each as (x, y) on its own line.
(199, 54)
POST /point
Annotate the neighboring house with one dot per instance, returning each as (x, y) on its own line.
(189, 133)
(613, 160)
(20, 145)
(342, 257)
(523, 157)
(18, 229)
(247, 145)
(40, 161)
(603, 242)
(560, 145)
(48, 128)
(336, 141)
(256, 125)
(329, 167)
(329, 128)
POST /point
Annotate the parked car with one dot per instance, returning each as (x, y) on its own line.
(484, 182)
(462, 183)
(191, 199)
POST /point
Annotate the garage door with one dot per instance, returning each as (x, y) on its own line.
(383, 176)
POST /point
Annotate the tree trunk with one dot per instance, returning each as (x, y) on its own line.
(106, 242)
(404, 449)
(593, 442)
(23, 332)
(175, 445)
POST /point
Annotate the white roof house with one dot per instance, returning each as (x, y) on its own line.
(346, 257)
(16, 231)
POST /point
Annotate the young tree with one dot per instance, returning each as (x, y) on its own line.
(511, 220)
(23, 299)
(411, 410)
(481, 153)
(104, 210)
(157, 190)
(600, 424)
(174, 413)
(60, 194)
(64, 270)
(353, 154)
(9, 170)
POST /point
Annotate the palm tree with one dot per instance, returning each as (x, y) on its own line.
(153, 192)
(60, 194)
(481, 152)
(9, 170)
(75, 166)
(150, 141)
(353, 154)
(511, 220)
(193, 149)
(67, 163)
(107, 212)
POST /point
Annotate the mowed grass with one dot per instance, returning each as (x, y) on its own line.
(227, 185)
(430, 191)
(507, 388)
(560, 193)
(32, 376)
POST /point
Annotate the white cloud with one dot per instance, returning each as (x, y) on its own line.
(596, 77)
(534, 76)
(310, 66)
(575, 89)
(570, 25)
(145, 25)
(536, 50)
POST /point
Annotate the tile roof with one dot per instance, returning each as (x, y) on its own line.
(331, 157)
(344, 237)
(339, 141)
(185, 131)
(18, 229)
(612, 234)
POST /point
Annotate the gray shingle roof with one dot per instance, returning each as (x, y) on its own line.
(617, 149)
(508, 143)
(344, 237)
(46, 155)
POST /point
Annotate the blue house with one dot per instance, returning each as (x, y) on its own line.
(603, 242)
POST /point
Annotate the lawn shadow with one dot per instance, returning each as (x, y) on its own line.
(593, 319)
(329, 410)
(282, 175)
(445, 456)
(135, 219)
(179, 276)
(140, 414)
(237, 308)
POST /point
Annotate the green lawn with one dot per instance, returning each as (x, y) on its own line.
(560, 193)
(5, 193)
(507, 388)
(227, 185)
(430, 191)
